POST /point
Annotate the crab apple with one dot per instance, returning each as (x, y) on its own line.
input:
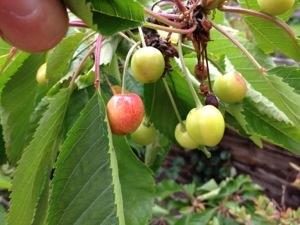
(147, 64)
(275, 7)
(33, 25)
(205, 125)
(183, 138)
(125, 113)
(41, 77)
(144, 135)
(230, 88)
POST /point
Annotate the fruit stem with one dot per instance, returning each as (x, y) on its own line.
(186, 74)
(110, 85)
(170, 29)
(172, 101)
(262, 15)
(142, 37)
(129, 54)
(127, 38)
(97, 53)
(206, 152)
(240, 46)
(162, 19)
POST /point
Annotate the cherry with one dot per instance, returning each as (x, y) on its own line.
(230, 88)
(33, 25)
(144, 135)
(211, 100)
(183, 138)
(205, 125)
(41, 77)
(125, 113)
(147, 64)
(275, 7)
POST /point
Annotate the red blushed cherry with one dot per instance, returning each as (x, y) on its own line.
(125, 113)
(33, 25)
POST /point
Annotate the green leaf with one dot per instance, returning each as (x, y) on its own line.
(42, 207)
(136, 183)
(108, 16)
(16, 105)
(269, 38)
(197, 219)
(77, 102)
(98, 180)
(82, 185)
(116, 15)
(273, 131)
(5, 182)
(162, 115)
(108, 49)
(2, 216)
(290, 75)
(59, 59)
(83, 9)
(34, 168)
(12, 68)
(267, 107)
(166, 188)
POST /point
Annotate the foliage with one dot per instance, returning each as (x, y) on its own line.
(236, 200)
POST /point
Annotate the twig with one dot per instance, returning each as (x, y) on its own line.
(129, 54)
(265, 16)
(162, 19)
(180, 6)
(170, 29)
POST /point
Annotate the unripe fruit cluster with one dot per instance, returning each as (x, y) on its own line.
(203, 126)
(126, 111)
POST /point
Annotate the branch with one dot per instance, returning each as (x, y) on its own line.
(170, 29)
(162, 19)
(77, 23)
(180, 6)
(265, 16)
(240, 46)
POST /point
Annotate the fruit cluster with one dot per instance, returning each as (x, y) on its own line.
(38, 25)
